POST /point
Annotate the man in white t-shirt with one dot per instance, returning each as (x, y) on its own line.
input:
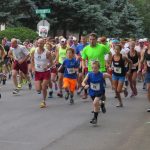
(19, 55)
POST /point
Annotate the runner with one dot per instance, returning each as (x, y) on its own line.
(145, 58)
(135, 57)
(94, 52)
(60, 57)
(81, 74)
(20, 55)
(41, 63)
(95, 82)
(70, 66)
(118, 76)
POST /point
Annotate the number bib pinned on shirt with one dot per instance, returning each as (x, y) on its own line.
(71, 70)
(95, 87)
(117, 70)
(148, 63)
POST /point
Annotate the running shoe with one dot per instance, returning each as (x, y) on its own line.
(67, 96)
(84, 96)
(38, 92)
(56, 87)
(125, 92)
(144, 86)
(30, 86)
(16, 91)
(103, 107)
(119, 105)
(50, 94)
(19, 86)
(93, 121)
(148, 110)
(42, 104)
(60, 94)
(71, 101)
(4, 81)
(132, 95)
(24, 81)
(9, 76)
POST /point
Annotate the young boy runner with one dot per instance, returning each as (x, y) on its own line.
(70, 66)
(95, 82)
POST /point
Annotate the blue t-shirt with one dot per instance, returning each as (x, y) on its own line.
(96, 84)
(80, 47)
(70, 65)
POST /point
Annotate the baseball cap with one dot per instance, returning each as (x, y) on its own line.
(63, 40)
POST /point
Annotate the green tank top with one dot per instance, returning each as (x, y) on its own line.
(62, 54)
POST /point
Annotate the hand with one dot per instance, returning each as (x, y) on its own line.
(46, 68)
(129, 72)
(139, 71)
(78, 57)
(86, 87)
(20, 61)
(83, 84)
(33, 70)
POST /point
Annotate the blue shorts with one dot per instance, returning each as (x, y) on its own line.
(147, 77)
(118, 78)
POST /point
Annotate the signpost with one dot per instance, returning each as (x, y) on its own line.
(43, 26)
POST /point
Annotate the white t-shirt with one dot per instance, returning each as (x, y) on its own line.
(20, 52)
(40, 61)
(138, 49)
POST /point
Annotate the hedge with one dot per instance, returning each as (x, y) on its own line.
(21, 33)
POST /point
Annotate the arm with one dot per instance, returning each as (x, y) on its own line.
(106, 75)
(32, 62)
(84, 82)
(129, 62)
(141, 61)
(49, 57)
(10, 54)
(57, 55)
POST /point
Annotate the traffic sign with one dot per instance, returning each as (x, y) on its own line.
(43, 11)
(43, 23)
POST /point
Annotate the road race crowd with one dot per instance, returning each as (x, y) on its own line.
(70, 66)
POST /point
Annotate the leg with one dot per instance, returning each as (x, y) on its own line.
(60, 84)
(119, 90)
(96, 110)
(134, 76)
(14, 76)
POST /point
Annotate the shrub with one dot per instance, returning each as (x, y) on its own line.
(21, 33)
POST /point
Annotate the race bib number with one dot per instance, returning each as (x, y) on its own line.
(63, 58)
(95, 87)
(133, 67)
(148, 63)
(71, 70)
(117, 70)
(38, 66)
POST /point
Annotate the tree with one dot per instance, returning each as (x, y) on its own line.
(143, 7)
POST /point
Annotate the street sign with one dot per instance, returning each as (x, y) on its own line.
(43, 11)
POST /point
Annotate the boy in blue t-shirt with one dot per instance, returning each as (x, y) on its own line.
(95, 82)
(70, 66)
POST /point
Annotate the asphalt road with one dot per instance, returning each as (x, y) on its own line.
(60, 126)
